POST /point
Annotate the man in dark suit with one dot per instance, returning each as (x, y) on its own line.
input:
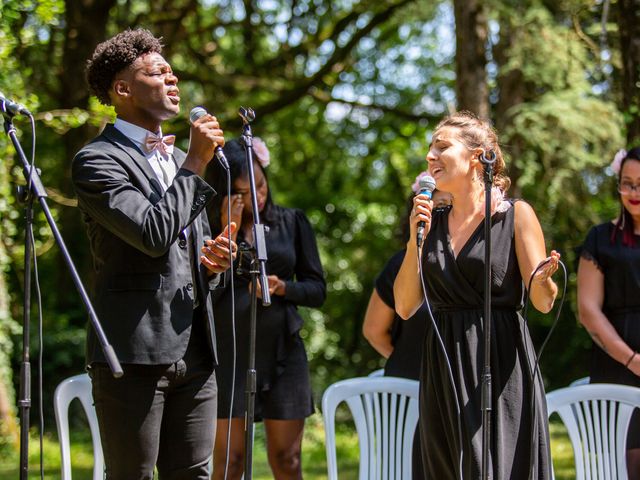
(155, 263)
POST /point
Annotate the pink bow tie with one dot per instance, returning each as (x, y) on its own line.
(162, 144)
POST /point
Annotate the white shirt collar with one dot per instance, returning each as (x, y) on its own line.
(133, 132)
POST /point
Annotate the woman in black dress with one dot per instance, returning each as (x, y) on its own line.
(295, 275)
(609, 294)
(453, 267)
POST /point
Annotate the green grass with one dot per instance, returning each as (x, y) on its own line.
(313, 455)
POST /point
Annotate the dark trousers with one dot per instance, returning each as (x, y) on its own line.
(162, 415)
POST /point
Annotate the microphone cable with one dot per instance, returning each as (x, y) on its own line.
(446, 357)
(40, 355)
(36, 281)
(233, 323)
(536, 367)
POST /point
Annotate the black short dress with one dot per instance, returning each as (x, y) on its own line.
(407, 338)
(455, 289)
(620, 266)
(283, 384)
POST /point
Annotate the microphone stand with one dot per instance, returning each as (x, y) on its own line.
(35, 189)
(258, 269)
(487, 163)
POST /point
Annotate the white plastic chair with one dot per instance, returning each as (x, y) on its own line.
(385, 412)
(597, 419)
(377, 373)
(78, 387)
(580, 381)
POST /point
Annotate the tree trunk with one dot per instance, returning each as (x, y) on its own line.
(629, 26)
(80, 39)
(511, 92)
(471, 40)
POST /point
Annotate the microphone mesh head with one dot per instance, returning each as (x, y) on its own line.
(196, 113)
(427, 183)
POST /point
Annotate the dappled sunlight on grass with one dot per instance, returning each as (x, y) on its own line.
(314, 461)
(561, 451)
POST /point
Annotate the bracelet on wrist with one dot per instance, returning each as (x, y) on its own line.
(626, 365)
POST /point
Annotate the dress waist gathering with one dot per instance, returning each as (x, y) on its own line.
(447, 308)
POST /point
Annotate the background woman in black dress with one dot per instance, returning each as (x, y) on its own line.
(453, 265)
(609, 294)
(398, 340)
(296, 278)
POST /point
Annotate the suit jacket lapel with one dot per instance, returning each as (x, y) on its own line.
(178, 157)
(134, 154)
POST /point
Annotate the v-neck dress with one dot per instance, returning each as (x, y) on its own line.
(455, 288)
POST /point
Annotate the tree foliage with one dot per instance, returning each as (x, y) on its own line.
(346, 94)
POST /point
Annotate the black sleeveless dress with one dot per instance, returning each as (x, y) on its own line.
(407, 336)
(519, 417)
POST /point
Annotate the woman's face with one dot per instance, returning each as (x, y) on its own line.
(441, 199)
(629, 186)
(451, 163)
(241, 186)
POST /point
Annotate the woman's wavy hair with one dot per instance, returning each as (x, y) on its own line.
(477, 133)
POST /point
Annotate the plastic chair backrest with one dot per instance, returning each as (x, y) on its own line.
(78, 387)
(597, 419)
(385, 412)
(580, 381)
(377, 373)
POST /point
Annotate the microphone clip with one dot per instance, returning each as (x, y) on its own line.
(247, 115)
(488, 160)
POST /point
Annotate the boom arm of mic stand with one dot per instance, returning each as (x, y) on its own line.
(38, 190)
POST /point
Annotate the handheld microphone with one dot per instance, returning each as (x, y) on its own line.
(195, 114)
(427, 186)
(12, 108)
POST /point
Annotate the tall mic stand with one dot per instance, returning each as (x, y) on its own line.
(487, 163)
(35, 189)
(258, 269)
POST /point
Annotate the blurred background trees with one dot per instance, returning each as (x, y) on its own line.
(347, 94)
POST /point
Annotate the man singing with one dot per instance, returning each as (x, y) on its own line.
(143, 202)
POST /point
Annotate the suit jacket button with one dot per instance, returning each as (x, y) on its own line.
(189, 286)
(202, 198)
(182, 240)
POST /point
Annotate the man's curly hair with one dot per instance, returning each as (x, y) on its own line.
(116, 54)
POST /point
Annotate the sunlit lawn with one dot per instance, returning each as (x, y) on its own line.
(314, 459)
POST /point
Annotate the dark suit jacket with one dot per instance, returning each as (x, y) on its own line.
(143, 292)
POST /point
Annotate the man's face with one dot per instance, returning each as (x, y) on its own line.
(147, 92)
